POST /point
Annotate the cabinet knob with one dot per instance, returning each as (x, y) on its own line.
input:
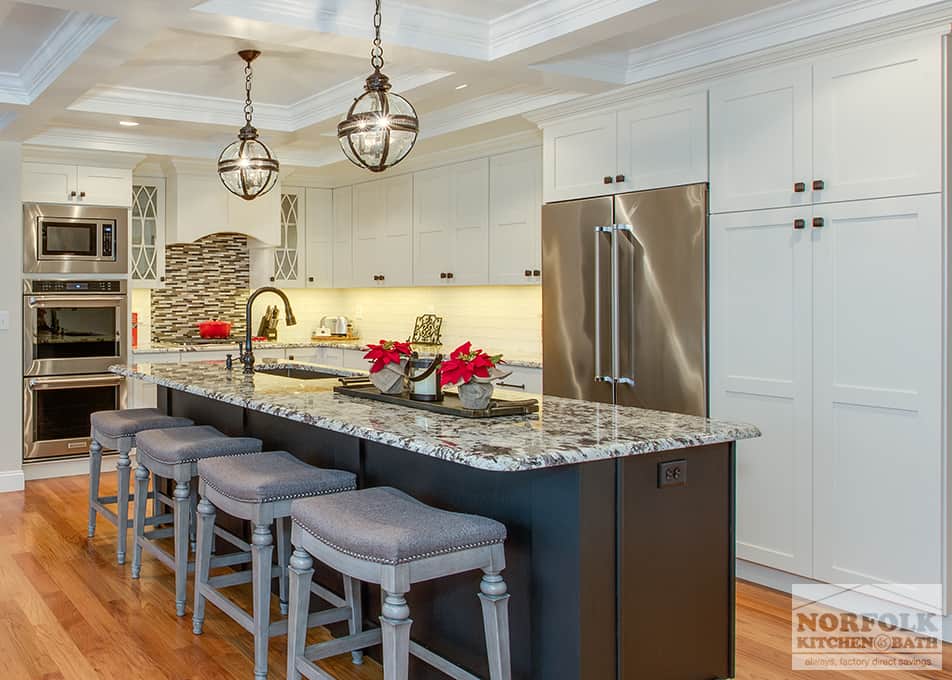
(619, 178)
(607, 179)
(310, 279)
(442, 275)
(162, 279)
(271, 279)
(536, 272)
(818, 222)
(449, 275)
(819, 185)
(799, 224)
(528, 272)
(799, 187)
(72, 194)
(382, 277)
(82, 194)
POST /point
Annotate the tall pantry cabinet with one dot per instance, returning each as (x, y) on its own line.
(827, 273)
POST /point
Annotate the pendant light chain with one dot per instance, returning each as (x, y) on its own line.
(249, 107)
(376, 52)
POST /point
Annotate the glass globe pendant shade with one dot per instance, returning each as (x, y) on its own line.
(380, 128)
(247, 168)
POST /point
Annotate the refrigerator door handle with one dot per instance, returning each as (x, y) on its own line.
(599, 377)
(617, 378)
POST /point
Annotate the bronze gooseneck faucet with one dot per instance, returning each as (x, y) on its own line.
(245, 352)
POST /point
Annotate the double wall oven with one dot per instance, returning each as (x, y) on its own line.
(73, 330)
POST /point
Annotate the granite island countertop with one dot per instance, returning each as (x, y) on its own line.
(563, 432)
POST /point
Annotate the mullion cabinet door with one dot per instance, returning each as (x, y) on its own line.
(147, 233)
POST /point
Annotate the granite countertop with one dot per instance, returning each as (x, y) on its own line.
(564, 432)
(169, 347)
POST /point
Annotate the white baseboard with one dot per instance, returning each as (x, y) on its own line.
(784, 581)
(12, 480)
(67, 468)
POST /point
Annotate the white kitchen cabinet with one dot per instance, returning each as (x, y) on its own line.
(579, 157)
(76, 184)
(515, 203)
(326, 356)
(451, 225)
(662, 143)
(354, 358)
(343, 237)
(522, 379)
(761, 138)
(853, 125)
(287, 266)
(147, 232)
(877, 121)
(383, 222)
(319, 238)
(761, 372)
(878, 395)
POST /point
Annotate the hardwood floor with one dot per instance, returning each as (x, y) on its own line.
(68, 612)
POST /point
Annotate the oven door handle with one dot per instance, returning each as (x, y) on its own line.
(40, 384)
(44, 301)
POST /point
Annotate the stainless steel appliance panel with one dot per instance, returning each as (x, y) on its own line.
(72, 239)
(575, 299)
(57, 409)
(662, 299)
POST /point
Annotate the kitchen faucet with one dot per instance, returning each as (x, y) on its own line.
(247, 356)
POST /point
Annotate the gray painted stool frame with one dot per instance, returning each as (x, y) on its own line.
(394, 632)
(183, 503)
(263, 517)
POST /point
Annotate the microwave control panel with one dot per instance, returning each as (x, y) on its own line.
(108, 240)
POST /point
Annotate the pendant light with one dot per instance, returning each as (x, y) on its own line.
(381, 127)
(247, 167)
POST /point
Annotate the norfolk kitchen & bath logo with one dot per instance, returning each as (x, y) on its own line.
(866, 627)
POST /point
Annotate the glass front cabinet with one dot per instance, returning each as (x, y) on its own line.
(289, 255)
(147, 232)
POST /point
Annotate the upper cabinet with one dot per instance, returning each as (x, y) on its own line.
(451, 225)
(656, 143)
(515, 211)
(343, 237)
(319, 236)
(76, 184)
(289, 255)
(383, 223)
(147, 232)
(854, 125)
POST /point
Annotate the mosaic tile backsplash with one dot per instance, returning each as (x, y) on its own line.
(204, 280)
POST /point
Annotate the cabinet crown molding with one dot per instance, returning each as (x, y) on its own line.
(101, 159)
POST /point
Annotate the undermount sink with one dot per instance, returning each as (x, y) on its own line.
(296, 373)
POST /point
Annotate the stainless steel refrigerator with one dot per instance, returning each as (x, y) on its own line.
(624, 299)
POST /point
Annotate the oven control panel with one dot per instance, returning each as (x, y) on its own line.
(47, 286)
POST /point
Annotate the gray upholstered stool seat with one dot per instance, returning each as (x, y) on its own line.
(174, 454)
(118, 430)
(260, 488)
(388, 526)
(384, 536)
(274, 477)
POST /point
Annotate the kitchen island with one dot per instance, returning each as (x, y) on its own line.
(620, 557)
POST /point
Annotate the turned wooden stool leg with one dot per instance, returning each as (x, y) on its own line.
(395, 630)
(262, 551)
(182, 497)
(283, 531)
(138, 522)
(301, 571)
(355, 622)
(123, 467)
(95, 469)
(205, 539)
(495, 601)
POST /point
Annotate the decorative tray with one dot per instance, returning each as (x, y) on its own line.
(450, 406)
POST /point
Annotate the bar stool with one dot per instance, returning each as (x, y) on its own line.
(117, 430)
(174, 455)
(260, 488)
(384, 536)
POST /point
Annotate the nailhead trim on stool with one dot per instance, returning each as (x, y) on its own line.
(117, 430)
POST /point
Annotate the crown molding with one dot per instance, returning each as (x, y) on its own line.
(422, 28)
(932, 18)
(73, 156)
(188, 166)
(119, 142)
(545, 20)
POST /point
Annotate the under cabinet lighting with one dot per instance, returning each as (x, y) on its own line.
(128, 123)
(462, 87)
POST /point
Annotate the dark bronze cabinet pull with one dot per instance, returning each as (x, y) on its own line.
(82, 194)
(512, 385)
(818, 222)
(310, 279)
(799, 187)
(619, 178)
(272, 278)
(72, 194)
(442, 275)
(799, 224)
(819, 185)
(536, 272)
(607, 179)
(528, 272)
(449, 275)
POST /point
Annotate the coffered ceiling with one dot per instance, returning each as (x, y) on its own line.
(71, 70)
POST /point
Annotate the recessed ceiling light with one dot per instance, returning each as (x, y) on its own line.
(462, 87)
(128, 123)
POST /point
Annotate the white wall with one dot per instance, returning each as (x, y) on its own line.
(11, 375)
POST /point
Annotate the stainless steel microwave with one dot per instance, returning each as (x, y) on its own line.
(66, 239)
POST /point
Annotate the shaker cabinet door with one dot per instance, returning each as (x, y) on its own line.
(104, 186)
(469, 222)
(49, 183)
(761, 140)
(319, 237)
(578, 157)
(761, 372)
(515, 198)
(343, 206)
(432, 226)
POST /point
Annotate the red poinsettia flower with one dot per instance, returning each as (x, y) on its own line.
(387, 352)
(465, 363)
